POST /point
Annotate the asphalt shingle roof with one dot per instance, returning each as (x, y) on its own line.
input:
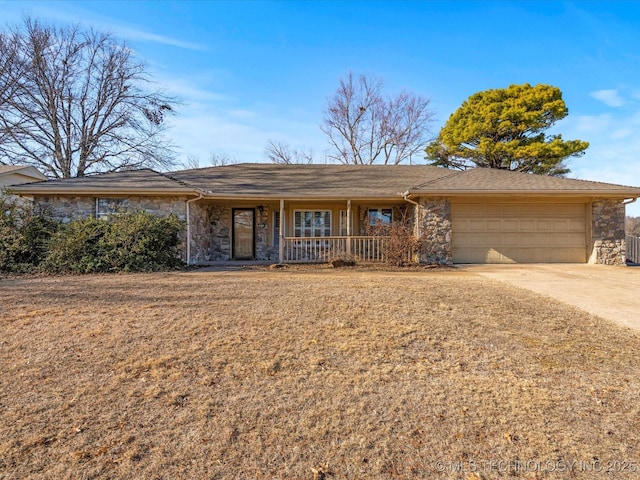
(323, 181)
(142, 181)
(487, 180)
(269, 180)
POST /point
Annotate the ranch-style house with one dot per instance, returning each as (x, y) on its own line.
(311, 213)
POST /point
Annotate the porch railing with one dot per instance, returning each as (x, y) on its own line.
(325, 249)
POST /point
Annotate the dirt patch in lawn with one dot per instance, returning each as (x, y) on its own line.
(310, 375)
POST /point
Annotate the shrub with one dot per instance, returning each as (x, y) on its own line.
(76, 248)
(24, 237)
(401, 245)
(131, 242)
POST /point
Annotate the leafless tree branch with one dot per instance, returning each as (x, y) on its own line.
(75, 102)
(278, 152)
(220, 159)
(364, 127)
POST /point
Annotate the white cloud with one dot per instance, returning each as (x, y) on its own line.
(609, 97)
(613, 155)
(190, 93)
(242, 113)
(584, 125)
(78, 15)
(131, 33)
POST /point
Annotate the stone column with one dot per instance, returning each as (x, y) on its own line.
(434, 220)
(607, 232)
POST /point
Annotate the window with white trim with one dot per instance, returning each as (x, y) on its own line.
(380, 216)
(312, 223)
(105, 207)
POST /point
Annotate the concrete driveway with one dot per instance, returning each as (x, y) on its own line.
(609, 292)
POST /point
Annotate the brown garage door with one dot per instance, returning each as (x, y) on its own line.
(518, 233)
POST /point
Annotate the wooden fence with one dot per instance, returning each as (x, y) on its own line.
(633, 249)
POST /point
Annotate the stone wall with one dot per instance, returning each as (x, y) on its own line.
(200, 232)
(263, 250)
(220, 225)
(212, 229)
(160, 206)
(434, 225)
(67, 208)
(607, 232)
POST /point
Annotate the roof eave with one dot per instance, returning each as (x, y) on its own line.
(96, 192)
(304, 198)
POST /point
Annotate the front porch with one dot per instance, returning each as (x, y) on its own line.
(292, 232)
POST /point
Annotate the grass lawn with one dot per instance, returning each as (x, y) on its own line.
(310, 374)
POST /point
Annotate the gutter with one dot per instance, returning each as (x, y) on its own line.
(188, 213)
(25, 189)
(528, 193)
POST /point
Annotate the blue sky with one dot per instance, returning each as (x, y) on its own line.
(252, 71)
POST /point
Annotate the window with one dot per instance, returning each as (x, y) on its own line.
(105, 207)
(276, 229)
(312, 223)
(380, 216)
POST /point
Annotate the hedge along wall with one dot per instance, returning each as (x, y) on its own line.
(66, 208)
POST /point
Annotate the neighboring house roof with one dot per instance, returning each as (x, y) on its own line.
(20, 173)
(264, 181)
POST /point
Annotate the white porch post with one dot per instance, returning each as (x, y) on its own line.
(349, 228)
(281, 233)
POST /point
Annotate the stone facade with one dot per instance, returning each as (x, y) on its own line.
(433, 223)
(211, 225)
(68, 208)
(264, 251)
(607, 232)
(211, 233)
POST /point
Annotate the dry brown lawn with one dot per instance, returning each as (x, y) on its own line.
(310, 374)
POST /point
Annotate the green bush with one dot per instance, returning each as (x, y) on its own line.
(24, 237)
(76, 248)
(131, 242)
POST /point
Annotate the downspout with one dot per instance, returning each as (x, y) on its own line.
(405, 197)
(188, 211)
(629, 202)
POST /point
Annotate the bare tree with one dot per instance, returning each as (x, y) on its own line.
(75, 102)
(632, 226)
(365, 127)
(192, 162)
(219, 159)
(10, 69)
(278, 152)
